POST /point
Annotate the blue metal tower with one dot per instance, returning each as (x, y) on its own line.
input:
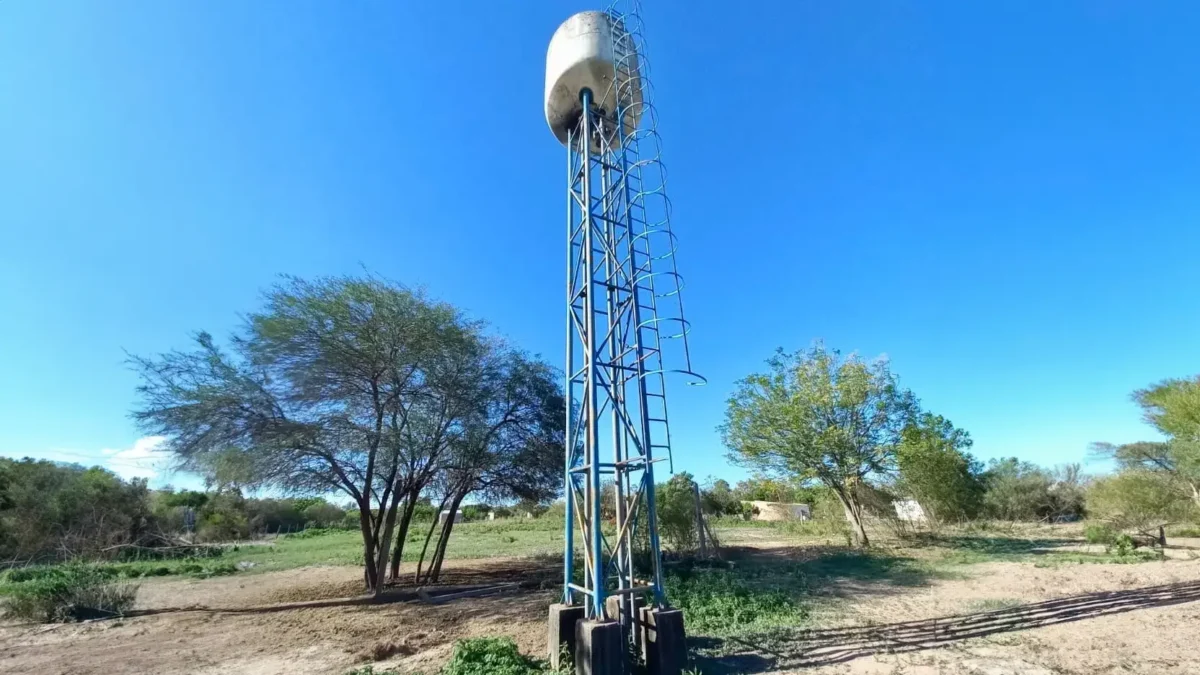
(625, 323)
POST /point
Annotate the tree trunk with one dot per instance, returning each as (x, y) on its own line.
(364, 522)
(854, 515)
(429, 535)
(384, 543)
(439, 556)
(410, 507)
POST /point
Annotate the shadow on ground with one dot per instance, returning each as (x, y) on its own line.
(832, 570)
(526, 575)
(810, 648)
(996, 546)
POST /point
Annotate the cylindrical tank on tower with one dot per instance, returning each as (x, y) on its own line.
(584, 55)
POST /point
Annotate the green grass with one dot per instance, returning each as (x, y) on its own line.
(328, 547)
(200, 568)
(74, 592)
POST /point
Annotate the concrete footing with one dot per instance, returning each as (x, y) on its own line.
(664, 644)
(562, 631)
(614, 607)
(599, 648)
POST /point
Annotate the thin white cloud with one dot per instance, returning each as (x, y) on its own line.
(144, 459)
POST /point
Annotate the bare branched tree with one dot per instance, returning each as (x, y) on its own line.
(510, 449)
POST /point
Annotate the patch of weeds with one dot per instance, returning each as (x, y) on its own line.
(994, 604)
(385, 650)
(492, 656)
(74, 592)
(1099, 533)
(370, 670)
(205, 571)
(1134, 557)
(1185, 531)
(313, 533)
(722, 602)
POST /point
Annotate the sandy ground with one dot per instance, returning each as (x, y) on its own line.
(299, 622)
(1101, 620)
(1083, 619)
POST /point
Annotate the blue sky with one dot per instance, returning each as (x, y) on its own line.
(1002, 197)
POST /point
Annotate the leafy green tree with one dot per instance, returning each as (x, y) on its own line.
(718, 498)
(1173, 408)
(676, 510)
(1139, 500)
(339, 384)
(223, 517)
(1017, 491)
(187, 498)
(935, 469)
(323, 514)
(765, 489)
(52, 511)
(276, 515)
(816, 415)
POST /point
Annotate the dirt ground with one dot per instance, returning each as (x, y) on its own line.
(1015, 619)
(995, 619)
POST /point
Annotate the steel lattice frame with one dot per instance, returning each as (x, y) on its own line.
(616, 427)
(614, 369)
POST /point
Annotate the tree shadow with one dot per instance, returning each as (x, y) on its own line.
(528, 575)
(810, 648)
(996, 546)
(832, 570)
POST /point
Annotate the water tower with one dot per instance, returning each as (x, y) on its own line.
(625, 333)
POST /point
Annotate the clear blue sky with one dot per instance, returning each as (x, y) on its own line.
(1003, 197)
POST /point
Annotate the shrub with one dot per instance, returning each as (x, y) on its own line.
(1099, 533)
(1123, 545)
(1138, 500)
(74, 592)
(720, 602)
(312, 532)
(556, 511)
(350, 521)
(491, 656)
(47, 509)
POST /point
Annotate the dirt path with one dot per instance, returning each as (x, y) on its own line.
(235, 625)
(1008, 619)
(1103, 621)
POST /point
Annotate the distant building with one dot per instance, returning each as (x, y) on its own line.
(909, 511)
(779, 511)
(458, 516)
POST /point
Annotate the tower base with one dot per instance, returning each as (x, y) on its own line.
(664, 643)
(562, 632)
(599, 648)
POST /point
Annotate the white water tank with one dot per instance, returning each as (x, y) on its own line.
(581, 57)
